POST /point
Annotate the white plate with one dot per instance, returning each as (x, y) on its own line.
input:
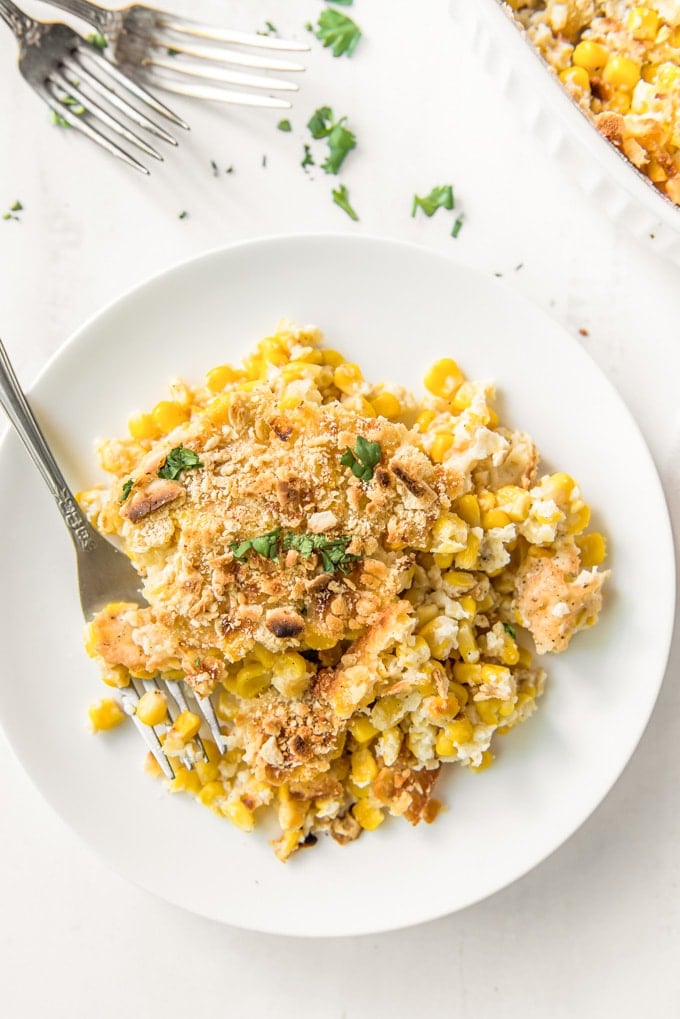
(524, 78)
(395, 308)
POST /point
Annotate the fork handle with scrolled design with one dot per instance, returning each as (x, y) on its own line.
(16, 406)
(19, 22)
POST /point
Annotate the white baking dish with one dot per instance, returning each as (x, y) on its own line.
(544, 106)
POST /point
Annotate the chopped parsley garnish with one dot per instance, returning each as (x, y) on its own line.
(363, 459)
(16, 207)
(215, 168)
(268, 29)
(183, 214)
(341, 198)
(457, 226)
(336, 30)
(172, 52)
(509, 628)
(332, 551)
(438, 198)
(76, 108)
(284, 125)
(342, 3)
(58, 120)
(308, 159)
(126, 489)
(341, 141)
(98, 40)
(178, 459)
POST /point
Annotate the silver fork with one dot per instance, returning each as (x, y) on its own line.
(105, 574)
(65, 69)
(167, 49)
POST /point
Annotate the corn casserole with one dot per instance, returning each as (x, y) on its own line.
(348, 571)
(620, 61)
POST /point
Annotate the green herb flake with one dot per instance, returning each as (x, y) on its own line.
(332, 551)
(341, 3)
(178, 459)
(457, 226)
(13, 209)
(172, 52)
(509, 628)
(266, 545)
(320, 123)
(126, 489)
(338, 31)
(215, 168)
(284, 125)
(97, 40)
(341, 198)
(268, 29)
(323, 125)
(438, 198)
(183, 214)
(363, 459)
(17, 207)
(58, 120)
(308, 159)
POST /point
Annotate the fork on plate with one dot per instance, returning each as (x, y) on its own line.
(85, 90)
(171, 53)
(105, 574)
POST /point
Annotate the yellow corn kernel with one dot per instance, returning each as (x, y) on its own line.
(185, 781)
(486, 762)
(643, 23)
(444, 378)
(210, 792)
(621, 73)
(364, 767)
(221, 376)
(463, 397)
(333, 358)
(424, 613)
(575, 77)
(386, 404)
(369, 816)
(495, 518)
(460, 692)
(347, 377)
(579, 517)
(590, 55)
(443, 746)
(226, 706)
(619, 101)
(252, 679)
(459, 731)
(510, 652)
(667, 75)
(467, 672)
(152, 707)
(141, 674)
(593, 549)
(495, 674)
(206, 771)
(143, 426)
(449, 534)
(458, 580)
(656, 172)
(514, 501)
(525, 659)
(289, 674)
(467, 558)
(105, 714)
(116, 676)
(467, 507)
(424, 420)
(255, 367)
(316, 639)
(440, 636)
(151, 766)
(217, 410)
(440, 447)
(168, 414)
(363, 729)
(272, 349)
(443, 561)
(360, 405)
(185, 727)
(441, 709)
(488, 710)
(239, 815)
(467, 645)
(468, 605)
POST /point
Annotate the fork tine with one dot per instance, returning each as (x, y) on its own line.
(208, 712)
(115, 100)
(226, 56)
(123, 79)
(92, 107)
(221, 95)
(223, 74)
(186, 26)
(129, 699)
(182, 703)
(87, 129)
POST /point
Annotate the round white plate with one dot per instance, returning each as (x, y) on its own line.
(395, 309)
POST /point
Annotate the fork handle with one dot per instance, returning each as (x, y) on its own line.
(14, 403)
(19, 22)
(101, 19)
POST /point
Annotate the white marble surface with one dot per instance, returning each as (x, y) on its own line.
(595, 930)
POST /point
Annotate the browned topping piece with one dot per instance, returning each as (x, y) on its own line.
(284, 623)
(156, 493)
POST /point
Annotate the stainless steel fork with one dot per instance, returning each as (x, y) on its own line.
(168, 50)
(105, 574)
(73, 78)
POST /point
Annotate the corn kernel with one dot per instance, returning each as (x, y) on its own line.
(347, 377)
(210, 792)
(441, 709)
(460, 692)
(440, 635)
(467, 672)
(467, 645)
(185, 727)
(459, 731)
(364, 767)
(449, 534)
(151, 766)
(579, 517)
(593, 550)
(116, 676)
(185, 781)
(424, 420)
(643, 23)
(369, 816)
(443, 441)
(217, 410)
(514, 501)
(252, 679)
(463, 397)
(363, 729)
(143, 426)
(458, 580)
(239, 815)
(467, 507)
(575, 77)
(105, 714)
(168, 414)
(444, 378)
(221, 376)
(333, 358)
(486, 762)
(467, 558)
(443, 745)
(495, 518)
(386, 404)
(152, 707)
(316, 639)
(590, 55)
(622, 72)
